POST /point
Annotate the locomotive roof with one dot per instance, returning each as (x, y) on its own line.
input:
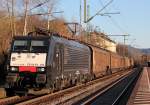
(70, 42)
(54, 37)
(31, 37)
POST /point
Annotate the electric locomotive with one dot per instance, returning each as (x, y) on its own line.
(46, 63)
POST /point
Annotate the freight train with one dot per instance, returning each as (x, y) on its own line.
(50, 62)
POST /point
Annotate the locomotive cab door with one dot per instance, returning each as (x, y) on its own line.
(58, 65)
(59, 59)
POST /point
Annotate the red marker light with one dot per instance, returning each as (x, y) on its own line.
(27, 68)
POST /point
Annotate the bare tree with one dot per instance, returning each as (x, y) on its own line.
(47, 6)
(12, 17)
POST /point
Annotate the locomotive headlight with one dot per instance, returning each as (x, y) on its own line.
(41, 69)
(14, 69)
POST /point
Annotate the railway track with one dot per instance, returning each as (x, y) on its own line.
(14, 100)
(115, 94)
(67, 96)
(74, 94)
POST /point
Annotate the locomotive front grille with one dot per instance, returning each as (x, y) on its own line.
(27, 79)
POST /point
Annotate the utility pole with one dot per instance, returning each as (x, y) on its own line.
(88, 14)
(85, 19)
(80, 12)
(25, 18)
(48, 19)
(88, 28)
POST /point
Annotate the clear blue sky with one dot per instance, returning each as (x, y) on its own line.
(134, 18)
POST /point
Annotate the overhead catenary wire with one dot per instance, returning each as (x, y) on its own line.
(39, 4)
(114, 22)
(47, 8)
(99, 11)
(34, 14)
(29, 10)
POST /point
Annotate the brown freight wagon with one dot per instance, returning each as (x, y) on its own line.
(104, 60)
(101, 59)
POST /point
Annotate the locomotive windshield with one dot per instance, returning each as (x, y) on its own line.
(39, 46)
(20, 45)
(30, 46)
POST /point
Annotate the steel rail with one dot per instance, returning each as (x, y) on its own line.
(87, 102)
(125, 89)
